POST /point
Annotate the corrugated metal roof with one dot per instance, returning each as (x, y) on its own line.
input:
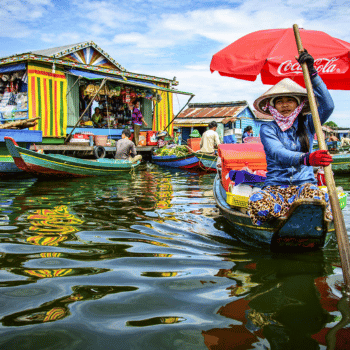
(210, 112)
(195, 121)
(55, 50)
(262, 116)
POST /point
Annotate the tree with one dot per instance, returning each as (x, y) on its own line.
(331, 124)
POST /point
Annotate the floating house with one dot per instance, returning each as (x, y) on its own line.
(232, 119)
(63, 85)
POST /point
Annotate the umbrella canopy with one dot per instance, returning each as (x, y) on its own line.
(271, 53)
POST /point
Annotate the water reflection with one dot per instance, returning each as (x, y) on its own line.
(280, 303)
(59, 308)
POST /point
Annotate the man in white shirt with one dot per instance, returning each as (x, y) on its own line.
(210, 139)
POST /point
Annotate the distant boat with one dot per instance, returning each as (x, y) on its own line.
(304, 227)
(64, 166)
(341, 163)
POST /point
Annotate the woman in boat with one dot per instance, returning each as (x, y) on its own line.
(287, 143)
(161, 139)
(247, 132)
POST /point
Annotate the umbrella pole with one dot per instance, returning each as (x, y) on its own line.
(339, 224)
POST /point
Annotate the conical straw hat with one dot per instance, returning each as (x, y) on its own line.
(286, 87)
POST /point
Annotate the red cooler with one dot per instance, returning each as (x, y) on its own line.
(151, 138)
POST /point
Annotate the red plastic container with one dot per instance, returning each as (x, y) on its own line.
(151, 138)
(80, 136)
(194, 143)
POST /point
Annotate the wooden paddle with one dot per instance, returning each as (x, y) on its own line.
(339, 224)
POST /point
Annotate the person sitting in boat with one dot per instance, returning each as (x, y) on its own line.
(161, 139)
(125, 148)
(287, 144)
(247, 132)
(333, 141)
(97, 118)
(210, 139)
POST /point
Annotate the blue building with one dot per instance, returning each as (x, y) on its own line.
(232, 118)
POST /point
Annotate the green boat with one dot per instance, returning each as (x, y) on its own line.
(64, 166)
(341, 163)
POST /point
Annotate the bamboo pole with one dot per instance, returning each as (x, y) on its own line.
(339, 224)
(191, 97)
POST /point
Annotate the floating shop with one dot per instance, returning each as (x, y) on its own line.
(63, 85)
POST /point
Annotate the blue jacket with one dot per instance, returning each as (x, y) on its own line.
(283, 149)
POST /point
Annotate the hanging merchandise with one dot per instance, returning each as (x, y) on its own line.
(89, 90)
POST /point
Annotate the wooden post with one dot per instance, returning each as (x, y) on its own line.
(339, 224)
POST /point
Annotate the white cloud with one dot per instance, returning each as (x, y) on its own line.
(16, 17)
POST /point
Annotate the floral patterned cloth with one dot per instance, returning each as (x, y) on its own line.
(275, 201)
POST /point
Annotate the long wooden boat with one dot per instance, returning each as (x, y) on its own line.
(64, 166)
(189, 161)
(24, 138)
(303, 227)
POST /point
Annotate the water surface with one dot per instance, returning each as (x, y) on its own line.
(145, 261)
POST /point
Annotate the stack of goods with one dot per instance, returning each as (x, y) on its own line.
(238, 156)
(343, 196)
(80, 139)
(243, 184)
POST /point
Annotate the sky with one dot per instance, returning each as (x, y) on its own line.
(171, 38)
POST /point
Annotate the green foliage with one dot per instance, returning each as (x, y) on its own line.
(331, 124)
(178, 151)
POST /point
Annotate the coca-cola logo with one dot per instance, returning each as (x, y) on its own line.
(322, 65)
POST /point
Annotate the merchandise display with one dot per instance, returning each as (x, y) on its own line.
(13, 96)
(114, 102)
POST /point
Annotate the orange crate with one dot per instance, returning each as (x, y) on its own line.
(142, 138)
(194, 143)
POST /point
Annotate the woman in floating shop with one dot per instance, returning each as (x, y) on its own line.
(288, 146)
(137, 120)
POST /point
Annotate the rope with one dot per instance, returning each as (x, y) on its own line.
(211, 165)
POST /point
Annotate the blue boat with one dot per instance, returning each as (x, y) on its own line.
(189, 161)
(304, 227)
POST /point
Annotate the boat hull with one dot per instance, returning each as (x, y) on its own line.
(304, 228)
(189, 161)
(64, 166)
(207, 161)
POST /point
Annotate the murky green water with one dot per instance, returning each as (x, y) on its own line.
(147, 262)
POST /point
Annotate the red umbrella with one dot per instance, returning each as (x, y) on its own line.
(272, 52)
